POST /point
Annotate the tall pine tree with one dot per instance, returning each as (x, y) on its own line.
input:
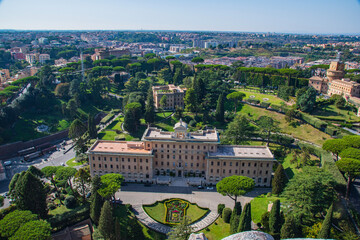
(245, 219)
(326, 225)
(220, 111)
(106, 221)
(92, 127)
(150, 108)
(275, 218)
(29, 194)
(290, 228)
(95, 207)
(279, 181)
(235, 218)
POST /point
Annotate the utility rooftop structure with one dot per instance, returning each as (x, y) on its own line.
(180, 154)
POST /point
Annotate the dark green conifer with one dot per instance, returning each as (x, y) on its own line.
(279, 181)
(326, 225)
(219, 113)
(245, 219)
(106, 221)
(235, 218)
(150, 108)
(275, 218)
(290, 228)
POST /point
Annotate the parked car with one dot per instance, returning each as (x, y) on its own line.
(88, 195)
(63, 164)
(200, 187)
(210, 188)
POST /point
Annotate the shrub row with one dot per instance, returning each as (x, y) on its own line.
(319, 124)
(5, 211)
(253, 100)
(107, 118)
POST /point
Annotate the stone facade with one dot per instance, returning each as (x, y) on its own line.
(174, 96)
(181, 154)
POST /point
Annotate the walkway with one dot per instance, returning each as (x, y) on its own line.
(156, 226)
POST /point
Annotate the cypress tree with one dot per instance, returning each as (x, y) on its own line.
(219, 113)
(106, 221)
(29, 194)
(245, 219)
(235, 218)
(95, 207)
(275, 218)
(290, 228)
(326, 225)
(279, 181)
(134, 230)
(118, 232)
(150, 108)
(92, 127)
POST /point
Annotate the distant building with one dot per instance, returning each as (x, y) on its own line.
(106, 53)
(31, 58)
(43, 58)
(320, 84)
(197, 157)
(335, 71)
(210, 44)
(174, 94)
(43, 41)
(344, 87)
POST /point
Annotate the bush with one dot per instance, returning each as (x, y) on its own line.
(220, 208)
(265, 104)
(192, 123)
(1, 201)
(253, 100)
(61, 221)
(226, 215)
(332, 131)
(70, 202)
(5, 211)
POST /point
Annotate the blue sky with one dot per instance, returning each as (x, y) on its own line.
(292, 16)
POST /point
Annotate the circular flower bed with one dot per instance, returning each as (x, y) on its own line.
(252, 96)
(175, 210)
(265, 99)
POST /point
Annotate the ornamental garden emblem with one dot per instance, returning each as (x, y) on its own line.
(175, 210)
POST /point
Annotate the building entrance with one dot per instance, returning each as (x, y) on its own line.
(179, 173)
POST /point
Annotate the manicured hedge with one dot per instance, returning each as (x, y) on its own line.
(313, 121)
(253, 100)
(226, 215)
(265, 104)
(107, 118)
(327, 162)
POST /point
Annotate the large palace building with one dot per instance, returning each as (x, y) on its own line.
(174, 96)
(163, 156)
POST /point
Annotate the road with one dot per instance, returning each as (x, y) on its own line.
(18, 165)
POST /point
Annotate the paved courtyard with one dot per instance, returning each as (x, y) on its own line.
(138, 194)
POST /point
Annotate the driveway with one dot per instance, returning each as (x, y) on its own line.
(136, 194)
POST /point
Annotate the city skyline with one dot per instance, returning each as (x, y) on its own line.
(308, 17)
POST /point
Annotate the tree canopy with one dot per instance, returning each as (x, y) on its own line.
(351, 169)
(13, 221)
(239, 130)
(335, 146)
(310, 192)
(110, 184)
(235, 186)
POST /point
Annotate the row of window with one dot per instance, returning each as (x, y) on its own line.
(236, 171)
(180, 146)
(122, 159)
(237, 164)
(179, 157)
(122, 167)
(179, 164)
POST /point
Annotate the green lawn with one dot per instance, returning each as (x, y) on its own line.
(73, 163)
(157, 211)
(261, 96)
(259, 206)
(330, 112)
(218, 230)
(304, 132)
(124, 215)
(62, 209)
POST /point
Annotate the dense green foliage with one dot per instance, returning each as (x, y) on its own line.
(106, 221)
(235, 186)
(326, 225)
(279, 181)
(245, 219)
(275, 218)
(110, 184)
(235, 218)
(13, 221)
(226, 215)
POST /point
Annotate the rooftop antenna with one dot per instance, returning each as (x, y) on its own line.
(82, 66)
